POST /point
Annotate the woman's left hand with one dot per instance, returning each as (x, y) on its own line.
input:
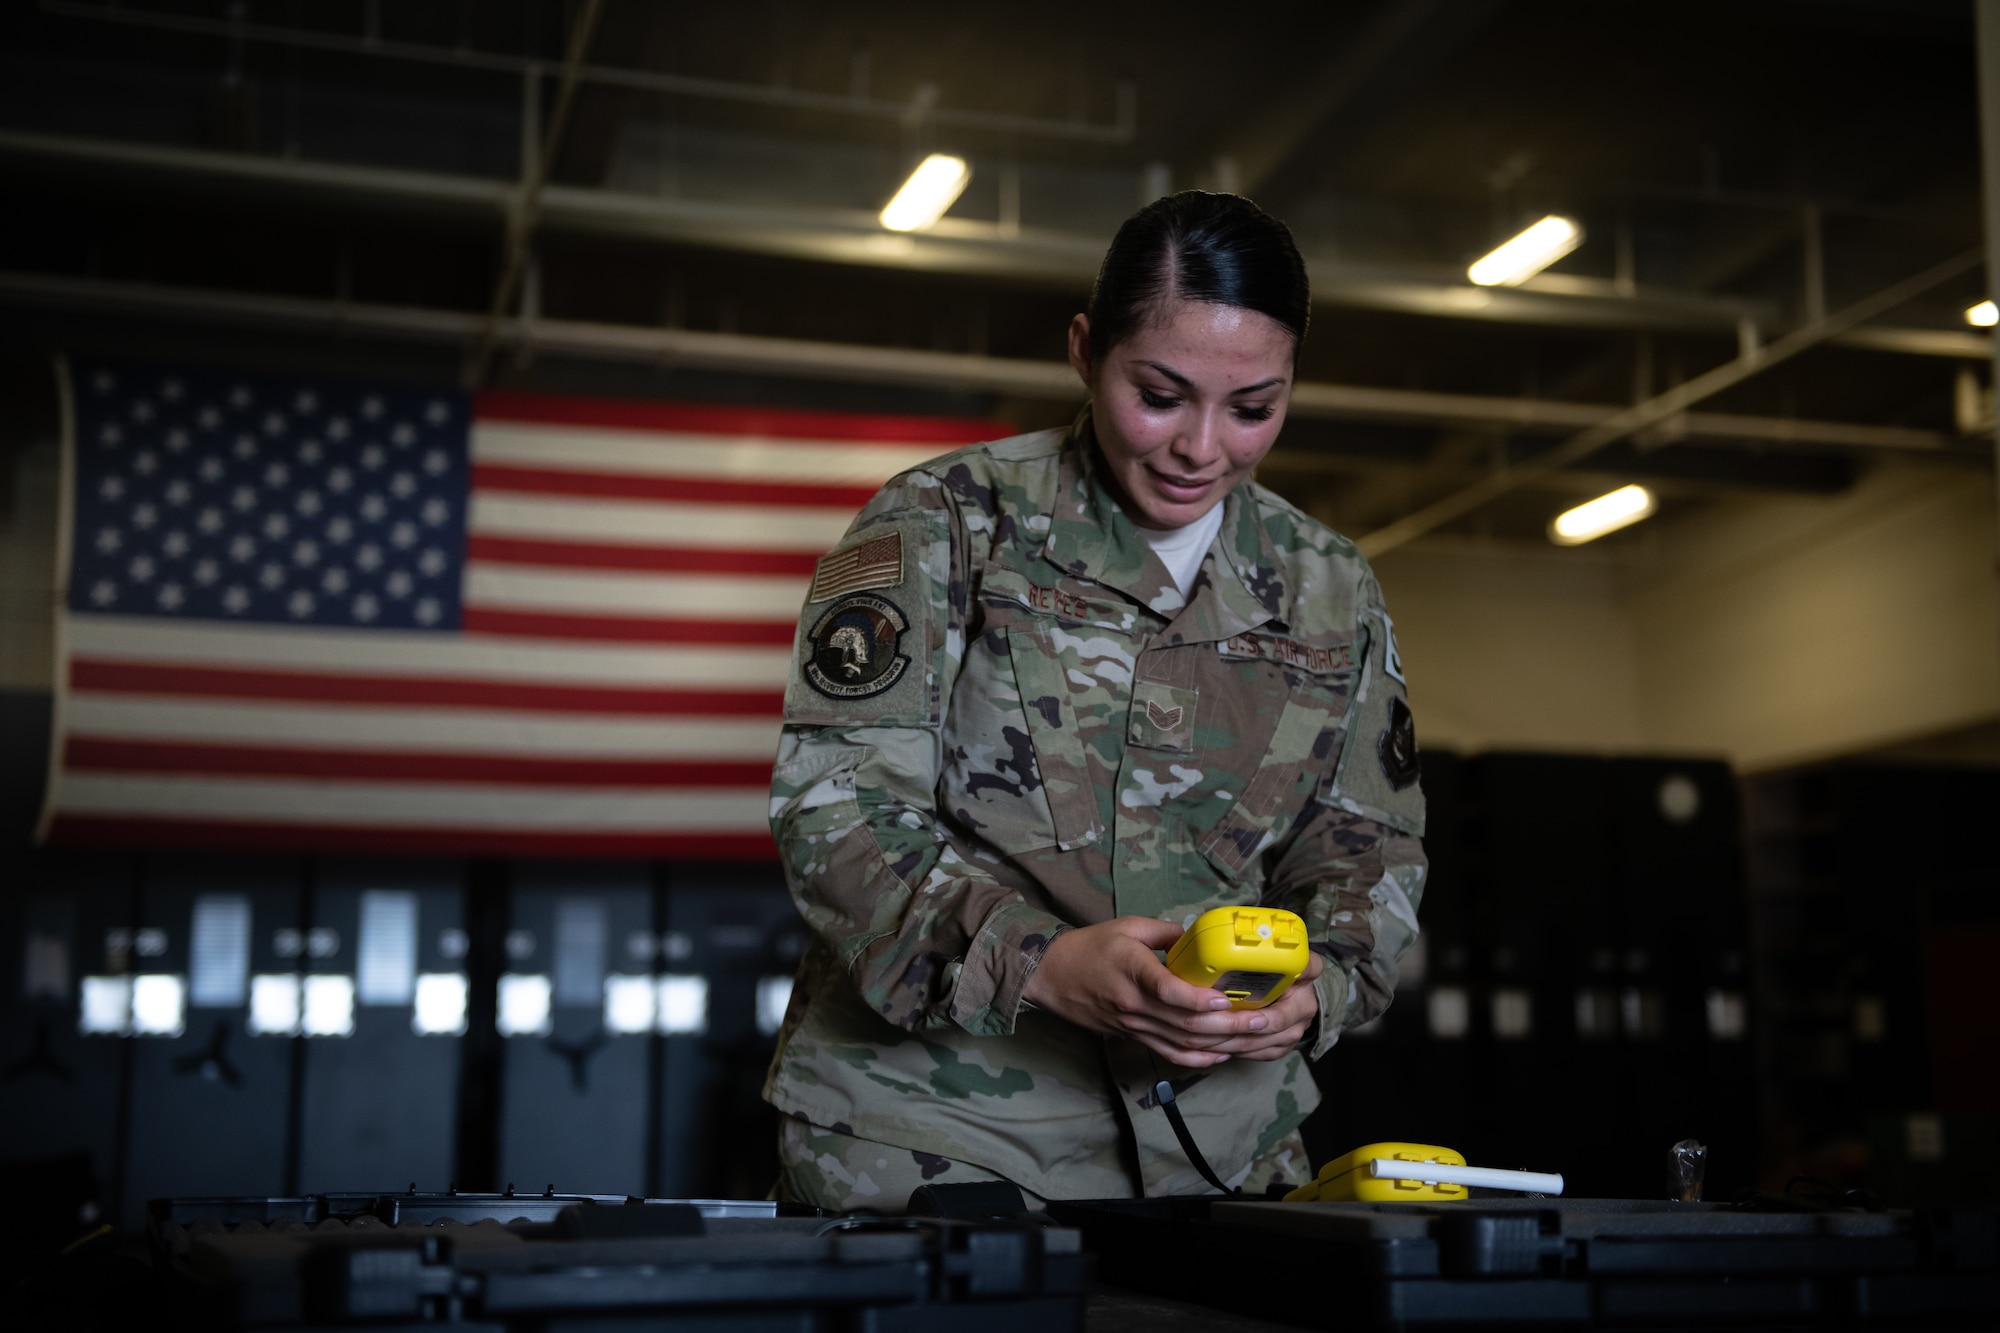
(1290, 1015)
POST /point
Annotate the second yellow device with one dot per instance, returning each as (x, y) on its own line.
(1251, 954)
(1346, 1178)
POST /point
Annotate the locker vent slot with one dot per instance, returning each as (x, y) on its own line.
(386, 972)
(220, 944)
(582, 940)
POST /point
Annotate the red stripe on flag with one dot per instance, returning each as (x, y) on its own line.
(106, 831)
(694, 490)
(594, 555)
(628, 629)
(121, 756)
(315, 687)
(941, 433)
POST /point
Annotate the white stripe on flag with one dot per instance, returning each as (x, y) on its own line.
(775, 599)
(658, 523)
(600, 449)
(374, 652)
(348, 727)
(419, 805)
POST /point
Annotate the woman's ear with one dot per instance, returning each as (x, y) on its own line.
(1079, 350)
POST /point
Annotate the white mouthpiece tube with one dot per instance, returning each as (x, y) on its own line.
(1527, 1182)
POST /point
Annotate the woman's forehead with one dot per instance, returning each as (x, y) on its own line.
(1191, 336)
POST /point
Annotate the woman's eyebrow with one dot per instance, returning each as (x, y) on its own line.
(1185, 383)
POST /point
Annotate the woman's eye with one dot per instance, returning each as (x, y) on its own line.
(1151, 399)
(1255, 413)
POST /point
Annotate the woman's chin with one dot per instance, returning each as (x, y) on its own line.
(1177, 509)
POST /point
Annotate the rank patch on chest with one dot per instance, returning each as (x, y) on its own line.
(1398, 746)
(875, 563)
(1166, 719)
(852, 649)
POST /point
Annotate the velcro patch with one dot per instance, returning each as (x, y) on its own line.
(874, 563)
(1398, 746)
(853, 650)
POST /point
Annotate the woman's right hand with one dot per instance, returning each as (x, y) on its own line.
(1106, 978)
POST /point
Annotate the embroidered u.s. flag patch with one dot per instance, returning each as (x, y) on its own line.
(874, 563)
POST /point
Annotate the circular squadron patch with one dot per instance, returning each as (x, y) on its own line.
(1398, 746)
(851, 650)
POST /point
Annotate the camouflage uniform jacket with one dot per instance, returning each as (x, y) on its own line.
(1004, 718)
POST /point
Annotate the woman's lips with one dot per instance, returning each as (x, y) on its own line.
(1180, 488)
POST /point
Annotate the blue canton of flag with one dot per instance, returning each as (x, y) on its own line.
(261, 499)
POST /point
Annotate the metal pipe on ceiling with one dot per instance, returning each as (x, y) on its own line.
(799, 358)
(856, 237)
(955, 245)
(526, 213)
(1662, 407)
(1121, 130)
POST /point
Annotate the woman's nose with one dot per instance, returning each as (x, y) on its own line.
(1201, 442)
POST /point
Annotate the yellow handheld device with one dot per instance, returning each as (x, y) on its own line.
(1347, 1179)
(1251, 954)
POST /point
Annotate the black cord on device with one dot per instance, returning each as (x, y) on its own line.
(1164, 1092)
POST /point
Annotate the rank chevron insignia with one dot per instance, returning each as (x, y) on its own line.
(1166, 719)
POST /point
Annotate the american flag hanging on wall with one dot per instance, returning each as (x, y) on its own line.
(358, 617)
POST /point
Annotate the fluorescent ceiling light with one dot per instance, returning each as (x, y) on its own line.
(1982, 316)
(932, 188)
(1607, 513)
(1527, 254)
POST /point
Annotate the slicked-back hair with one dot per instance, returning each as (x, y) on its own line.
(1198, 246)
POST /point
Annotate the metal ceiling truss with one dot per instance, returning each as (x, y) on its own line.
(1662, 407)
(957, 246)
(1013, 377)
(538, 157)
(370, 44)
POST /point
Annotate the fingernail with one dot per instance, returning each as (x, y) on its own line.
(1219, 1002)
(1220, 1058)
(1259, 1023)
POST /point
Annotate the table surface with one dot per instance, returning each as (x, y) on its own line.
(1121, 1310)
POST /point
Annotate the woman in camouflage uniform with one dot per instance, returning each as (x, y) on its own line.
(1052, 698)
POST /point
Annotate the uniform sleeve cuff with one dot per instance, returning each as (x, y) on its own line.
(1334, 988)
(998, 963)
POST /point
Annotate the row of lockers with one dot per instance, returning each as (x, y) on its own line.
(1582, 998)
(246, 1026)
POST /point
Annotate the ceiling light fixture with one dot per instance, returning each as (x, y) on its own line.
(1607, 513)
(932, 188)
(1982, 316)
(1527, 254)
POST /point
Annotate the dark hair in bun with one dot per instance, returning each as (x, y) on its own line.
(1198, 246)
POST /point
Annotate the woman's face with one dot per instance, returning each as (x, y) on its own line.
(1187, 405)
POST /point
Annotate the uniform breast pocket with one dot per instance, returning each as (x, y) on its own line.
(1017, 766)
(1285, 759)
